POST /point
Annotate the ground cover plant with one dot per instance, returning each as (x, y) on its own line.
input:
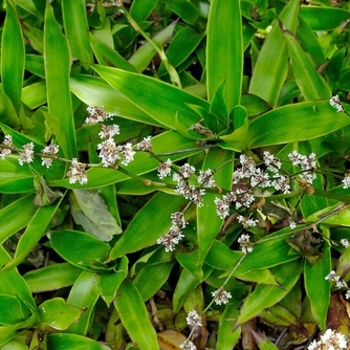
(174, 174)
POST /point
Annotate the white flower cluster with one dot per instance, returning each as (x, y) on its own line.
(335, 103)
(330, 340)
(188, 345)
(339, 283)
(97, 115)
(174, 236)
(8, 147)
(221, 296)
(307, 163)
(245, 243)
(77, 172)
(193, 319)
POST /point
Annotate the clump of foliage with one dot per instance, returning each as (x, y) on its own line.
(174, 174)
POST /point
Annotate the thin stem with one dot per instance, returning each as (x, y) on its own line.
(175, 79)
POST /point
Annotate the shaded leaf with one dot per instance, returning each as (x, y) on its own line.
(90, 211)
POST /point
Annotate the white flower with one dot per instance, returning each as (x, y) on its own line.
(128, 154)
(186, 170)
(188, 345)
(292, 223)
(193, 319)
(332, 277)
(206, 178)
(273, 164)
(109, 152)
(164, 169)
(246, 245)
(145, 145)
(221, 296)
(246, 222)
(344, 242)
(97, 115)
(346, 181)
(108, 131)
(335, 103)
(77, 172)
(4, 152)
(51, 150)
(347, 294)
(27, 154)
(222, 207)
(330, 340)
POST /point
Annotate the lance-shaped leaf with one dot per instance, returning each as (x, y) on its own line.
(309, 81)
(159, 100)
(208, 222)
(12, 56)
(60, 341)
(293, 123)
(84, 294)
(268, 78)
(151, 222)
(324, 18)
(90, 211)
(80, 249)
(225, 51)
(265, 296)
(318, 288)
(143, 56)
(134, 316)
(57, 70)
(36, 228)
(76, 29)
(52, 277)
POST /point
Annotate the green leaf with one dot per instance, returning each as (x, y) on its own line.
(311, 44)
(8, 114)
(20, 212)
(90, 211)
(110, 282)
(12, 283)
(181, 46)
(318, 288)
(52, 277)
(268, 79)
(208, 222)
(159, 100)
(34, 95)
(80, 249)
(94, 91)
(323, 18)
(84, 295)
(309, 81)
(297, 122)
(144, 55)
(184, 9)
(147, 286)
(15, 178)
(76, 29)
(263, 342)
(106, 56)
(36, 228)
(57, 314)
(227, 338)
(30, 6)
(141, 9)
(150, 223)
(14, 345)
(134, 316)
(57, 70)
(287, 275)
(64, 341)
(12, 56)
(225, 51)
(11, 310)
